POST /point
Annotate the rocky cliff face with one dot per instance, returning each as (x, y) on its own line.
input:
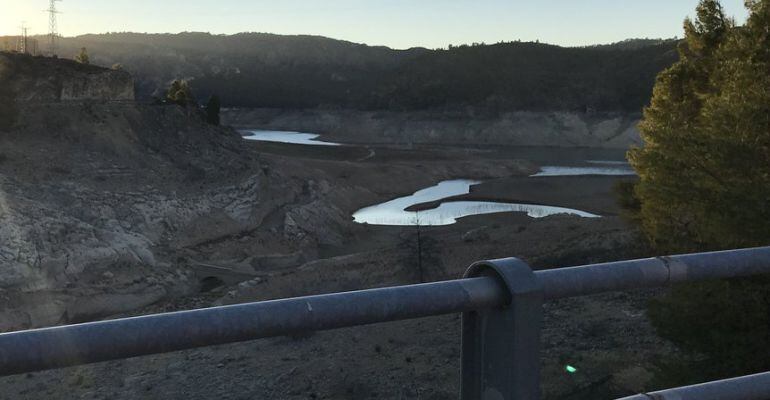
(107, 206)
(100, 196)
(43, 80)
(94, 200)
(523, 128)
(104, 86)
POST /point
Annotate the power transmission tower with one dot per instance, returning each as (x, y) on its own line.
(21, 46)
(52, 27)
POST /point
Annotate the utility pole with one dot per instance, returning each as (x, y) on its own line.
(52, 27)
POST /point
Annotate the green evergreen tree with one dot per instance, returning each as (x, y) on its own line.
(705, 185)
(8, 110)
(213, 107)
(83, 56)
(179, 92)
(672, 173)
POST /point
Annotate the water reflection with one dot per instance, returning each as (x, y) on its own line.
(285, 137)
(616, 169)
(609, 162)
(393, 212)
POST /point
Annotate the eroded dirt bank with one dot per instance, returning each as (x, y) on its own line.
(517, 128)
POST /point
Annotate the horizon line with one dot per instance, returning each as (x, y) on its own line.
(536, 41)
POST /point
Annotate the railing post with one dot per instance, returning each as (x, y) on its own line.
(501, 347)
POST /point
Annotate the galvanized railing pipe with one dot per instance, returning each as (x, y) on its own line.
(653, 272)
(750, 387)
(63, 346)
(494, 286)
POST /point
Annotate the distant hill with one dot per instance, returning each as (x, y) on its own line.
(265, 70)
(632, 44)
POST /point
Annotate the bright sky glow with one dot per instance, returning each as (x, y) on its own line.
(394, 23)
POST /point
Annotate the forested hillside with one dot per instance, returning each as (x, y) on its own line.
(528, 76)
(265, 70)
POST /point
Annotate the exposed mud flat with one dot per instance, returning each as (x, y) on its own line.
(117, 209)
(306, 242)
(606, 337)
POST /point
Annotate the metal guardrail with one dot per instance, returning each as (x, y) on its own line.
(751, 387)
(501, 302)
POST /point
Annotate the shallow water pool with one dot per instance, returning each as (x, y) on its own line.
(394, 212)
(285, 137)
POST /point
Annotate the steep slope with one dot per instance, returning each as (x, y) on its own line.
(155, 59)
(96, 194)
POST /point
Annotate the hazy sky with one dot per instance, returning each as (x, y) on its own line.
(395, 23)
